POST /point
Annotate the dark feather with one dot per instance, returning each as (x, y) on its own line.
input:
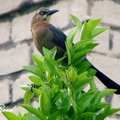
(59, 37)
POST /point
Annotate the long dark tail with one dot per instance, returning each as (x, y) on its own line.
(106, 80)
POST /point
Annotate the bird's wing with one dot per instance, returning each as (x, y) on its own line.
(58, 36)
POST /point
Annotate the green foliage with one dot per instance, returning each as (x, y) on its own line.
(59, 88)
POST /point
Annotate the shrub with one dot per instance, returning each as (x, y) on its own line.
(58, 86)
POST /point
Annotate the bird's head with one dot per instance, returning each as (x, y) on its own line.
(43, 15)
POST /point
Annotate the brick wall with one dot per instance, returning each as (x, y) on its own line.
(16, 43)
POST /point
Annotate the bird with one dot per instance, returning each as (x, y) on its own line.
(46, 35)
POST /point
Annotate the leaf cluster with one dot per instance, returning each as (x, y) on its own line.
(58, 88)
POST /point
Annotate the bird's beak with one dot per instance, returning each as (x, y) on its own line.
(52, 12)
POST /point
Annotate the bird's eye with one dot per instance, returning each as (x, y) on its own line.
(42, 12)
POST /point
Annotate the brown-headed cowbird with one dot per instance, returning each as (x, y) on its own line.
(46, 35)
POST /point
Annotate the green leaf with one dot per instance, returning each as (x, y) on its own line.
(107, 112)
(34, 111)
(57, 95)
(86, 115)
(20, 116)
(38, 92)
(75, 107)
(49, 66)
(101, 105)
(64, 94)
(113, 110)
(84, 103)
(49, 53)
(83, 66)
(46, 87)
(65, 106)
(44, 104)
(78, 61)
(90, 46)
(25, 87)
(100, 117)
(91, 72)
(39, 60)
(36, 80)
(62, 75)
(85, 32)
(89, 93)
(54, 115)
(97, 31)
(72, 74)
(66, 102)
(53, 91)
(107, 92)
(80, 82)
(58, 82)
(93, 23)
(30, 117)
(27, 96)
(79, 54)
(82, 44)
(73, 32)
(58, 61)
(68, 52)
(83, 75)
(10, 116)
(70, 37)
(97, 98)
(34, 69)
(77, 22)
